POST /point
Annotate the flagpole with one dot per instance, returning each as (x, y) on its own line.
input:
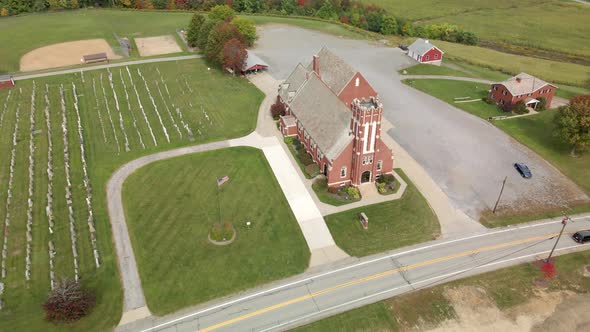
(218, 201)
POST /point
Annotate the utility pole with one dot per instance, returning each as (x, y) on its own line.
(501, 191)
(564, 223)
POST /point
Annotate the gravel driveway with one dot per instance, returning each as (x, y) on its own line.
(466, 156)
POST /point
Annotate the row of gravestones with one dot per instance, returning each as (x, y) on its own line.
(49, 206)
(141, 107)
(73, 235)
(5, 108)
(31, 186)
(86, 180)
(108, 109)
(130, 110)
(154, 105)
(8, 201)
(121, 124)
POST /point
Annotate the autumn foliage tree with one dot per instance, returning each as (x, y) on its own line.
(220, 35)
(234, 55)
(573, 123)
(68, 302)
(277, 109)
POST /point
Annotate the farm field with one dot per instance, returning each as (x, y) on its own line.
(170, 221)
(394, 224)
(552, 24)
(508, 290)
(72, 151)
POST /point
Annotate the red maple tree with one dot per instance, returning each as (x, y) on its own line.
(234, 55)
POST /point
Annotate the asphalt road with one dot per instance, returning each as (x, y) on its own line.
(465, 155)
(334, 289)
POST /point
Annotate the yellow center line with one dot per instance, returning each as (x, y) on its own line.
(373, 277)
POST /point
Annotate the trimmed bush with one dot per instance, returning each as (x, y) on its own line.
(353, 192)
(312, 170)
(68, 302)
(305, 157)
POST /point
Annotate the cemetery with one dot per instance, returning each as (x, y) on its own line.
(62, 137)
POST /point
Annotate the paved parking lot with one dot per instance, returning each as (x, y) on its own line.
(466, 156)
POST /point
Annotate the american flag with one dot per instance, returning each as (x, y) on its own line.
(222, 180)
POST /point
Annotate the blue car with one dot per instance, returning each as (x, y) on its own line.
(523, 170)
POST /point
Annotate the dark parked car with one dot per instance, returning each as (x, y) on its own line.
(582, 236)
(403, 47)
(524, 170)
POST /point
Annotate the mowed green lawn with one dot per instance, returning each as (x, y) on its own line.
(394, 224)
(171, 206)
(555, 25)
(230, 115)
(422, 69)
(448, 90)
(427, 308)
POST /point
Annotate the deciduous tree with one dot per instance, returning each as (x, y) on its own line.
(573, 123)
(68, 302)
(389, 25)
(234, 55)
(221, 13)
(220, 35)
(247, 28)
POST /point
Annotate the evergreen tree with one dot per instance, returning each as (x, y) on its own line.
(192, 33)
(206, 28)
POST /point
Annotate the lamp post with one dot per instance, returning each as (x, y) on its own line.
(564, 223)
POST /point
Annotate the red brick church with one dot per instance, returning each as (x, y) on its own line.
(336, 114)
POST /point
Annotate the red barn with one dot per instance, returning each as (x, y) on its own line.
(6, 81)
(521, 87)
(424, 52)
(336, 114)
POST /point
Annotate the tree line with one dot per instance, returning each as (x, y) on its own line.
(351, 12)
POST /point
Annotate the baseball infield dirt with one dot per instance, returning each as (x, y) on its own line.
(64, 54)
(157, 45)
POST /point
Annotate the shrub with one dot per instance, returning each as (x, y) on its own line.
(334, 190)
(353, 192)
(321, 184)
(381, 187)
(289, 140)
(305, 157)
(68, 302)
(277, 110)
(542, 105)
(520, 107)
(297, 144)
(386, 179)
(222, 231)
(312, 170)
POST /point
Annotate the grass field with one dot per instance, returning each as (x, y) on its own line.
(448, 90)
(394, 224)
(429, 307)
(551, 24)
(422, 69)
(189, 83)
(170, 221)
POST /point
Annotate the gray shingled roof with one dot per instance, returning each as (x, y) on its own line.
(253, 60)
(292, 84)
(527, 84)
(334, 71)
(323, 115)
(421, 46)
